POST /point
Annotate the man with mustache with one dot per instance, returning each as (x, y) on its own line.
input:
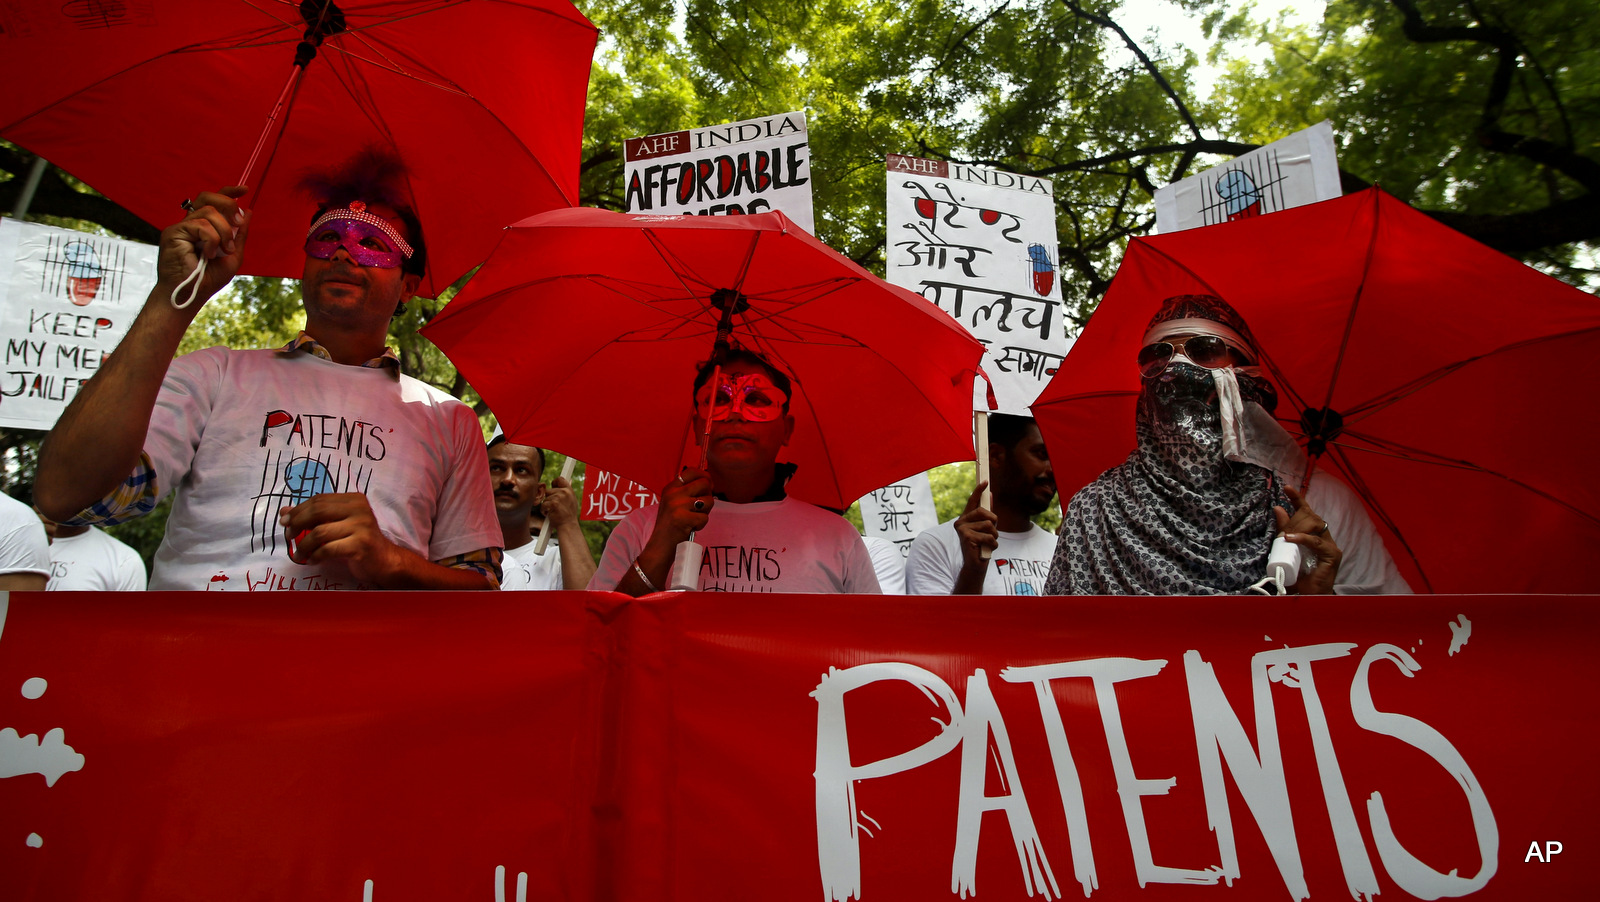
(312, 466)
(515, 472)
(948, 559)
(754, 537)
(1195, 507)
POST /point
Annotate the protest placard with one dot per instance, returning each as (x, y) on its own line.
(1300, 169)
(66, 299)
(752, 166)
(898, 512)
(607, 496)
(981, 244)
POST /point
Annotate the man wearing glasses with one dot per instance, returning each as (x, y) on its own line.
(312, 466)
(755, 538)
(1195, 507)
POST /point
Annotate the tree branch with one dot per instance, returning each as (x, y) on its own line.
(1493, 138)
(956, 44)
(1144, 59)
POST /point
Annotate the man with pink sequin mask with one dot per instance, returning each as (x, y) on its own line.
(756, 538)
(316, 465)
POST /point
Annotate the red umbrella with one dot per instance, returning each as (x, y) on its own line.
(484, 100)
(584, 329)
(1434, 373)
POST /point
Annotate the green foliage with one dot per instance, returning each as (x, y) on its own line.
(595, 532)
(953, 484)
(1048, 87)
(250, 313)
(1420, 118)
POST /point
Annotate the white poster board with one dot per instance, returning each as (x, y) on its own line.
(66, 299)
(753, 166)
(898, 512)
(981, 244)
(1300, 169)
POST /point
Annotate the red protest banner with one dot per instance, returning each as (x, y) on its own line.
(607, 496)
(708, 747)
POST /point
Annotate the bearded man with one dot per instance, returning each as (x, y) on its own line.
(1195, 507)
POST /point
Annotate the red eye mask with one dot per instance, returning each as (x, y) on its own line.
(751, 395)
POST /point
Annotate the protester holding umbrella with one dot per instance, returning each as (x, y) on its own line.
(755, 538)
(315, 465)
(1194, 509)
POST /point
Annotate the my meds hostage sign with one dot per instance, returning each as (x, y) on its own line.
(754, 166)
(66, 299)
(701, 747)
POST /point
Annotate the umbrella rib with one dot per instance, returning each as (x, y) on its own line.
(679, 268)
(1419, 456)
(189, 48)
(1355, 302)
(389, 65)
(771, 353)
(1383, 515)
(823, 289)
(556, 393)
(604, 282)
(1423, 381)
(744, 268)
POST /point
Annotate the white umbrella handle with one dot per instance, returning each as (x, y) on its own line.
(980, 431)
(544, 534)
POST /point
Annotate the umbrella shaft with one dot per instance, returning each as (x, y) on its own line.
(295, 72)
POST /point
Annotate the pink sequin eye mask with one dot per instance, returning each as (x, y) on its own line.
(751, 395)
(368, 239)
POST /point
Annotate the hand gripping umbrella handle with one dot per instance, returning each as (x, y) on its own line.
(980, 432)
(545, 531)
(685, 576)
(329, 20)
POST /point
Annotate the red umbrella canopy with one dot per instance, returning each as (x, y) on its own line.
(152, 102)
(1447, 364)
(584, 330)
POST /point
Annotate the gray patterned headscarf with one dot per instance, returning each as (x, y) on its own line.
(1176, 517)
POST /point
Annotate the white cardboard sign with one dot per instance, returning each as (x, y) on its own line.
(981, 245)
(1300, 169)
(899, 512)
(753, 166)
(66, 299)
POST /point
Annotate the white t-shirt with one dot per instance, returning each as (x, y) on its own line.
(94, 562)
(526, 570)
(239, 434)
(24, 548)
(1366, 567)
(1018, 566)
(766, 546)
(888, 563)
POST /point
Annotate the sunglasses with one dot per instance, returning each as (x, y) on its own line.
(750, 395)
(1209, 351)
